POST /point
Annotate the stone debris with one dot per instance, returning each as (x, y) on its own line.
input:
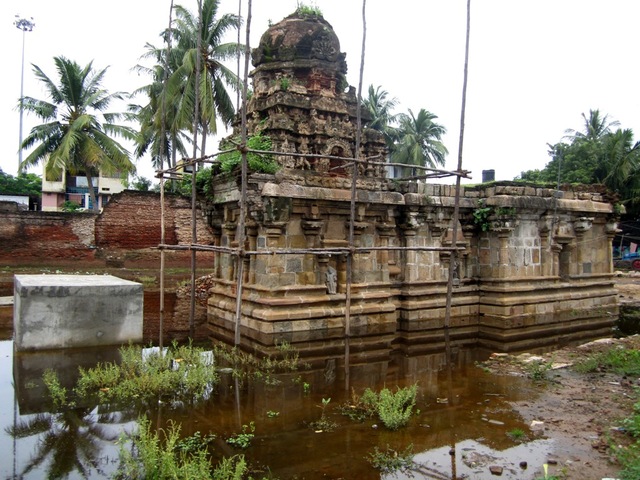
(496, 470)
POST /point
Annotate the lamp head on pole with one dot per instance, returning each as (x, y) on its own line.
(26, 25)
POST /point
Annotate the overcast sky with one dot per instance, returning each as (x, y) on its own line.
(534, 67)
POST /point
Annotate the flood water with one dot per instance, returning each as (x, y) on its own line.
(460, 430)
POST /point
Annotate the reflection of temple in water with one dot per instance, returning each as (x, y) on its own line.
(536, 273)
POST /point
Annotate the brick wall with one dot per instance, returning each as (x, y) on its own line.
(28, 237)
(128, 228)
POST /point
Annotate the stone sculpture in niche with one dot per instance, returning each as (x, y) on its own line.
(331, 280)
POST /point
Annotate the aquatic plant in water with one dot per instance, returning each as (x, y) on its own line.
(390, 460)
(394, 409)
(160, 455)
(179, 373)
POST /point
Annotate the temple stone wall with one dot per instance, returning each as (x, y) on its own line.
(539, 275)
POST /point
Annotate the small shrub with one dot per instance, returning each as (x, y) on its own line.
(69, 206)
(481, 216)
(362, 407)
(181, 372)
(312, 11)
(394, 409)
(203, 183)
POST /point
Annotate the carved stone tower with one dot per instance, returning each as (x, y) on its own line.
(301, 99)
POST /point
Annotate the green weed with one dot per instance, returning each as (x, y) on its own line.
(537, 370)
(323, 424)
(244, 438)
(617, 360)
(264, 369)
(394, 409)
(180, 373)
(390, 460)
(56, 391)
(158, 455)
(517, 434)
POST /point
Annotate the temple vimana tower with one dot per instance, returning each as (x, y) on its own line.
(535, 270)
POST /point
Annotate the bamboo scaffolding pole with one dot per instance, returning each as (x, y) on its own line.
(453, 259)
(352, 208)
(194, 233)
(243, 195)
(299, 251)
(163, 107)
(368, 161)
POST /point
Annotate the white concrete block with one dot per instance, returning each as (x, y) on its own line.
(66, 311)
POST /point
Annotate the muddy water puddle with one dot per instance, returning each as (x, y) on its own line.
(461, 428)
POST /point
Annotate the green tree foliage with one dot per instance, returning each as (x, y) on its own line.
(419, 140)
(597, 154)
(142, 184)
(411, 139)
(380, 108)
(28, 184)
(203, 183)
(166, 121)
(76, 133)
(215, 104)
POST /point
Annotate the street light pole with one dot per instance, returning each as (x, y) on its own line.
(26, 26)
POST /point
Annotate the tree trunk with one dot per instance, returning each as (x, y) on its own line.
(203, 145)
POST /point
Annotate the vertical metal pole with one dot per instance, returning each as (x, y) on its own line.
(26, 26)
(21, 107)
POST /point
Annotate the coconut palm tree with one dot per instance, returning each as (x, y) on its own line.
(419, 140)
(215, 104)
(159, 133)
(76, 135)
(595, 126)
(380, 108)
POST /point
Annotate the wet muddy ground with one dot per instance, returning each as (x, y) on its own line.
(580, 412)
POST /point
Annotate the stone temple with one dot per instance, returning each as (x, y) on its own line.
(535, 270)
